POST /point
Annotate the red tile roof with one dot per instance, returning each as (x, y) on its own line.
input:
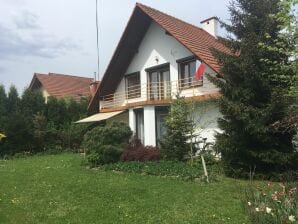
(197, 40)
(60, 85)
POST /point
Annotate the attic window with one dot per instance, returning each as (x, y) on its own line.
(133, 85)
(187, 73)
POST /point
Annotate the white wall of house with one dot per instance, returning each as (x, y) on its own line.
(205, 116)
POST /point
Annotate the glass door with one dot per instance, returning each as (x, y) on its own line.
(165, 84)
(154, 85)
(140, 124)
(161, 130)
(159, 86)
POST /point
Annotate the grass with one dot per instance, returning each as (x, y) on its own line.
(56, 189)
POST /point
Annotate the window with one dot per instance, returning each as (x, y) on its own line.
(187, 73)
(139, 113)
(159, 82)
(160, 114)
(133, 85)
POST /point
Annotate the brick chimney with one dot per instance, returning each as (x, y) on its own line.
(211, 25)
(93, 87)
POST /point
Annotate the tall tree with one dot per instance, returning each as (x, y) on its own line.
(254, 94)
(3, 107)
(13, 101)
(32, 102)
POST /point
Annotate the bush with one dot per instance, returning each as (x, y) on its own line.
(103, 155)
(136, 151)
(148, 153)
(276, 204)
(116, 134)
(104, 144)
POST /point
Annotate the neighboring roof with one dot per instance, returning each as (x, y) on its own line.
(195, 39)
(60, 85)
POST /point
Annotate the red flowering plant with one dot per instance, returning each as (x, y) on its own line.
(273, 203)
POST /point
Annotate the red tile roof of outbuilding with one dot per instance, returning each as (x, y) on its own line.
(60, 85)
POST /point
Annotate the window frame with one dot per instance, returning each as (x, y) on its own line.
(137, 91)
(190, 84)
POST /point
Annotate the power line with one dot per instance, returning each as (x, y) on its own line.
(97, 42)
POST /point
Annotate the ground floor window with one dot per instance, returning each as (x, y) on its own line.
(160, 115)
(139, 114)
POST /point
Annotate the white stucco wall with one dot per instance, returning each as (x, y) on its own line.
(205, 117)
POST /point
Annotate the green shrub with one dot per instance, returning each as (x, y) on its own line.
(104, 144)
(116, 134)
(163, 168)
(103, 155)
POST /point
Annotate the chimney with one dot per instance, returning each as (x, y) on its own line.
(211, 26)
(93, 87)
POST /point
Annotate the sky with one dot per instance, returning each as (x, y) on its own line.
(59, 36)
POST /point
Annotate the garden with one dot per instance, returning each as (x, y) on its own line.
(55, 171)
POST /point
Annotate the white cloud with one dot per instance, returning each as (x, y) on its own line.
(27, 38)
(26, 20)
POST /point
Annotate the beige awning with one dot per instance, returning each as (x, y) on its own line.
(99, 117)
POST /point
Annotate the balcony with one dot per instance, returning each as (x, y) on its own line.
(155, 93)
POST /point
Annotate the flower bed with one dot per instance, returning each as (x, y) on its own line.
(274, 203)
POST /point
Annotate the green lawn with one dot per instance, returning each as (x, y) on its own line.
(56, 189)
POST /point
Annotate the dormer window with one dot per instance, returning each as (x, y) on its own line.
(187, 73)
(133, 85)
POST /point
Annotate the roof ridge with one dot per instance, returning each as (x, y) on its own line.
(60, 74)
(140, 5)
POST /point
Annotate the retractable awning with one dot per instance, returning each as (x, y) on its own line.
(99, 117)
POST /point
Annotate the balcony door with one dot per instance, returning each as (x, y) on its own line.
(159, 85)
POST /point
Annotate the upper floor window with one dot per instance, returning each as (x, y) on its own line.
(133, 85)
(187, 73)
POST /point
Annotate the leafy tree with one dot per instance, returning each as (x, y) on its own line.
(254, 94)
(179, 127)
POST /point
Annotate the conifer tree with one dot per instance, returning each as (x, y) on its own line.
(3, 107)
(175, 145)
(254, 93)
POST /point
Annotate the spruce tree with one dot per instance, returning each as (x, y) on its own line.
(175, 145)
(3, 108)
(254, 95)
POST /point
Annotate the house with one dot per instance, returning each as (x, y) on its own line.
(156, 58)
(63, 86)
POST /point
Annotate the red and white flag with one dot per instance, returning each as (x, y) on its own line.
(200, 71)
